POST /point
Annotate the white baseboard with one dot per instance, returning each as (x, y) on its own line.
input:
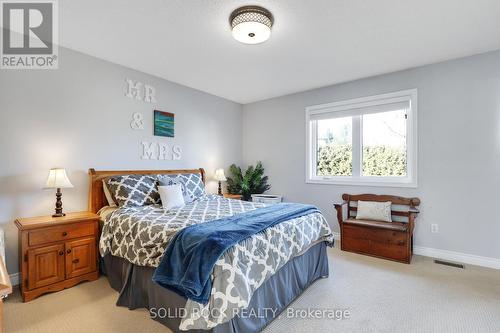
(457, 257)
(14, 279)
(460, 257)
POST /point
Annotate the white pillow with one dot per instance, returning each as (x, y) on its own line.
(171, 196)
(107, 194)
(372, 210)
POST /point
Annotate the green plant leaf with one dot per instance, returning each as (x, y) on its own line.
(251, 182)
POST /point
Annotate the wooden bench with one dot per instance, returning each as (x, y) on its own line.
(388, 240)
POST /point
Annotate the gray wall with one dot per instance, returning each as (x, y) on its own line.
(458, 155)
(77, 117)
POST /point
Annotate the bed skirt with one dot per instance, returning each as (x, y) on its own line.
(137, 290)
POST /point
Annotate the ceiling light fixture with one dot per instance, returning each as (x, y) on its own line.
(251, 24)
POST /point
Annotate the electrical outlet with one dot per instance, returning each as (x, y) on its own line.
(434, 228)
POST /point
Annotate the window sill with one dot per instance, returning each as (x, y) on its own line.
(356, 182)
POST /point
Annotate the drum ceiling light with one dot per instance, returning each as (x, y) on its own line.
(251, 24)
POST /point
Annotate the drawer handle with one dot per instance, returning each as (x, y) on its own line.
(61, 253)
(65, 234)
(68, 251)
(76, 261)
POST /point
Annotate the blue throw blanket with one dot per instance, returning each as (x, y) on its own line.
(191, 255)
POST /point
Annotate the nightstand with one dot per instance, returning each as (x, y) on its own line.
(233, 196)
(56, 253)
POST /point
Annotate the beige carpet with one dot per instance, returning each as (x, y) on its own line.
(381, 296)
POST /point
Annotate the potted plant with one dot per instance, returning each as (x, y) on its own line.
(251, 182)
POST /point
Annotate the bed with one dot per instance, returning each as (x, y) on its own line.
(251, 283)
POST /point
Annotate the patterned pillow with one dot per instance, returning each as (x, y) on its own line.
(192, 184)
(134, 190)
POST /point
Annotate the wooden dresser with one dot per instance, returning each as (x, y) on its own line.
(57, 252)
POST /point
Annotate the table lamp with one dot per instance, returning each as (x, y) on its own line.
(220, 177)
(58, 179)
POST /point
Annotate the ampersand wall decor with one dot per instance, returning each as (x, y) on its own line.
(137, 122)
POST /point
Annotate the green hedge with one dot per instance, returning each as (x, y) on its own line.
(378, 161)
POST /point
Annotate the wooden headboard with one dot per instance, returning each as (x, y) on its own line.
(97, 199)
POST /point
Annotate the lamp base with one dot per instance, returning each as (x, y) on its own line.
(59, 208)
(220, 188)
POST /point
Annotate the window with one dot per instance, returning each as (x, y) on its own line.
(365, 141)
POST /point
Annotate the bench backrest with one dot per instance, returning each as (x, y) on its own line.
(400, 209)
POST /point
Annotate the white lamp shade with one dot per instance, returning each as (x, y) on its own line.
(219, 175)
(58, 179)
(251, 32)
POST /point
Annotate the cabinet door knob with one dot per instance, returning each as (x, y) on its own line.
(65, 234)
(61, 253)
(68, 251)
(76, 261)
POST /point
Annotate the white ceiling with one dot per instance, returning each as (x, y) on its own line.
(314, 43)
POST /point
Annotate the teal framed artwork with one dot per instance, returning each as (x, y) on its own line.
(163, 124)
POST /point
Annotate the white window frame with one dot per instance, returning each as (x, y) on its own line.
(348, 108)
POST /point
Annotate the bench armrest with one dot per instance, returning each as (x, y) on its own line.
(339, 205)
(338, 208)
(412, 215)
